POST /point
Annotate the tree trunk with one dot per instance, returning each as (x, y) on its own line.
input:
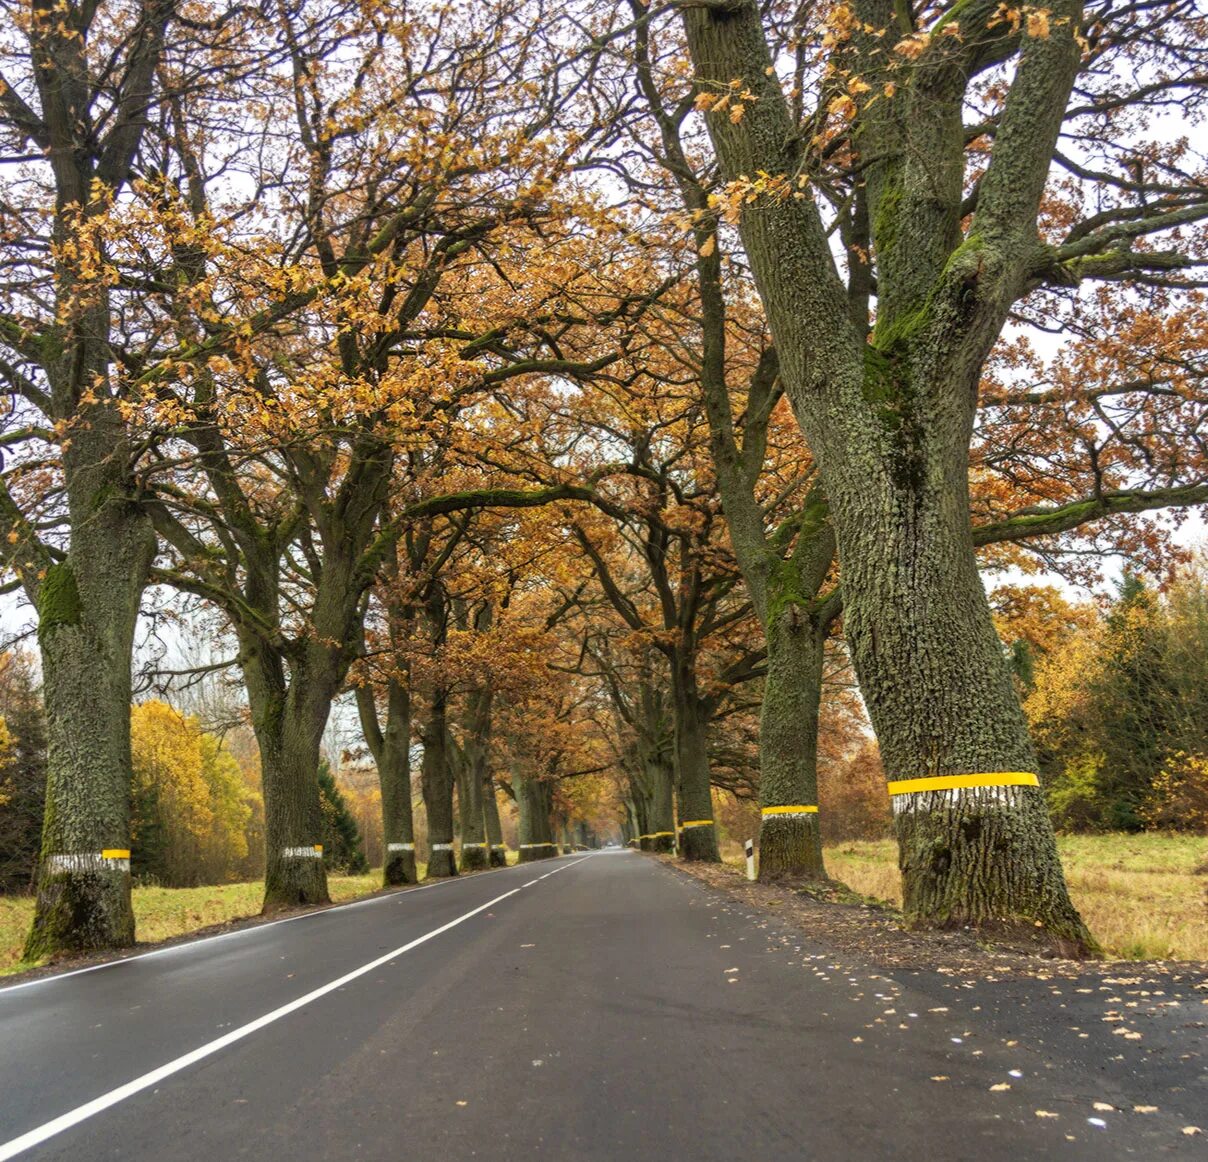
(87, 610)
(660, 818)
(474, 850)
(630, 827)
(87, 604)
(475, 853)
(533, 797)
(637, 806)
(437, 779)
(790, 844)
(890, 422)
(940, 696)
(289, 721)
(697, 831)
(391, 750)
(494, 829)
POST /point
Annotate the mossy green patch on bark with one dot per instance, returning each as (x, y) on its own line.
(58, 600)
(81, 911)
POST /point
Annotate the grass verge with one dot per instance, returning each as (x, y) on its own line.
(164, 913)
(1145, 897)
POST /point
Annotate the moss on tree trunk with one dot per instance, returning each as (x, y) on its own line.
(890, 423)
(88, 607)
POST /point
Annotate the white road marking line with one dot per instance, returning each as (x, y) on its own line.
(186, 945)
(48, 1130)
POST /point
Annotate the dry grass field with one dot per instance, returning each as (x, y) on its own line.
(1145, 897)
(162, 913)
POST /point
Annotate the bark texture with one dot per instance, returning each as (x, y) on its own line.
(391, 750)
(88, 602)
(889, 421)
(693, 778)
(436, 776)
(494, 830)
(289, 717)
(88, 608)
(534, 798)
(790, 843)
(472, 769)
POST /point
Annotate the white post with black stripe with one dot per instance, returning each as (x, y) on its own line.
(750, 848)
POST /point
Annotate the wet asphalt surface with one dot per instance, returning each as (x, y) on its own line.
(590, 1007)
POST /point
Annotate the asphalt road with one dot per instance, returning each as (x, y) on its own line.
(591, 1007)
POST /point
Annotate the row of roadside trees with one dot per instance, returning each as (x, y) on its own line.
(557, 381)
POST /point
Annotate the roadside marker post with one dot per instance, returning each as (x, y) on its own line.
(750, 846)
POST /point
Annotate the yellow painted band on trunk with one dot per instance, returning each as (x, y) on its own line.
(950, 782)
(115, 853)
(800, 809)
(697, 823)
(656, 835)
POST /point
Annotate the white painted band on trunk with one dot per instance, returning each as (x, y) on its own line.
(914, 801)
(465, 845)
(87, 861)
(790, 815)
(315, 851)
(441, 846)
(499, 847)
(82, 1113)
(400, 847)
(538, 845)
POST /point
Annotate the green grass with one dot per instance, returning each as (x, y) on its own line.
(163, 913)
(1145, 897)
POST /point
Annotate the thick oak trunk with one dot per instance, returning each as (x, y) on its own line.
(790, 844)
(534, 800)
(88, 606)
(437, 779)
(494, 829)
(475, 850)
(940, 697)
(660, 815)
(391, 749)
(890, 422)
(475, 854)
(289, 724)
(697, 830)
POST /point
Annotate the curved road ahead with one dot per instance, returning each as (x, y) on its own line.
(591, 1007)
